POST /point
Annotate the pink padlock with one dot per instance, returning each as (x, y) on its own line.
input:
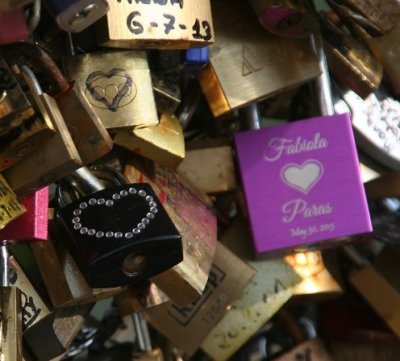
(13, 26)
(33, 224)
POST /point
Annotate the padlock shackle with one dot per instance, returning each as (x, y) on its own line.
(142, 332)
(36, 54)
(5, 266)
(31, 80)
(251, 116)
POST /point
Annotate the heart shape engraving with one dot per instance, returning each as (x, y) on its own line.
(79, 213)
(302, 177)
(111, 93)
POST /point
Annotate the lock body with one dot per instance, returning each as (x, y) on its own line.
(12, 4)
(307, 351)
(188, 326)
(210, 169)
(10, 207)
(259, 301)
(249, 64)
(76, 15)
(118, 87)
(163, 143)
(13, 19)
(120, 235)
(167, 24)
(303, 208)
(185, 282)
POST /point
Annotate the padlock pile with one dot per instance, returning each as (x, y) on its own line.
(218, 177)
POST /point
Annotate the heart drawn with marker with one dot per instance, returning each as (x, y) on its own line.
(302, 177)
(110, 90)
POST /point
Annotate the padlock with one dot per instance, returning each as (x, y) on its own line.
(117, 85)
(261, 63)
(64, 281)
(59, 329)
(305, 350)
(296, 158)
(287, 18)
(209, 167)
(10, 208)
(139, 298)
(195, 59)
(12, 4)
(189, 325)
(163, 143)
(76, 15)
(14, 106)
(145, 241)
(32, 225)
(259, 301)
(11, 313)
(145, 350)
(185, 282)
(13, 26)
(166, 24)
(350, 61)
(384, 296)
(374, 122)
(56, 158)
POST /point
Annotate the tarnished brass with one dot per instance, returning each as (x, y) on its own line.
(194, 219)
(269, 290)
(163, 143)
(152, 355)
(139, 298)
(88, 133)
(212, 170)
(54, 160)
(168, 24)
(64, 281)
(24, 140)
(14, 106)
(248, 63)
(10, 324)
(118, 87)
(10, 208)
(351, 351)
(316, 279)
(188, 326)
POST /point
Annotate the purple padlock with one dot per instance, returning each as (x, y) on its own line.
(302, 183)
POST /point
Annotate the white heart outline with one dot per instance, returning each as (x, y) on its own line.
(301, 167)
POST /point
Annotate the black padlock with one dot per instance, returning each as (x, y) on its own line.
(119, 235)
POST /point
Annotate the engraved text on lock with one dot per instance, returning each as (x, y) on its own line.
(110, 90)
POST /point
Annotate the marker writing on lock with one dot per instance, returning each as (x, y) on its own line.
(156, 2)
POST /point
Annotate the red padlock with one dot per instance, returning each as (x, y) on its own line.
(32, 225)
(13, 26)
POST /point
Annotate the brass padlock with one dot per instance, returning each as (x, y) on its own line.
(117, 85)
(66, 286)
(350, 61)
(185, 282)
(260, 300)
(166, 24)
(248, 64)
(56, 158)
(209, 168)
(163, 143)
(10, 208)
(188, 326)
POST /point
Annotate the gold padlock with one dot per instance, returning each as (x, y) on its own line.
(163, 143)
(188, 326)
(192, 214)
(167, 24)
(117, 85)
(10, 208)
(248, 64)
(260, 300)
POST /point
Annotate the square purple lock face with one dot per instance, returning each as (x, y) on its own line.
(302, 183)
